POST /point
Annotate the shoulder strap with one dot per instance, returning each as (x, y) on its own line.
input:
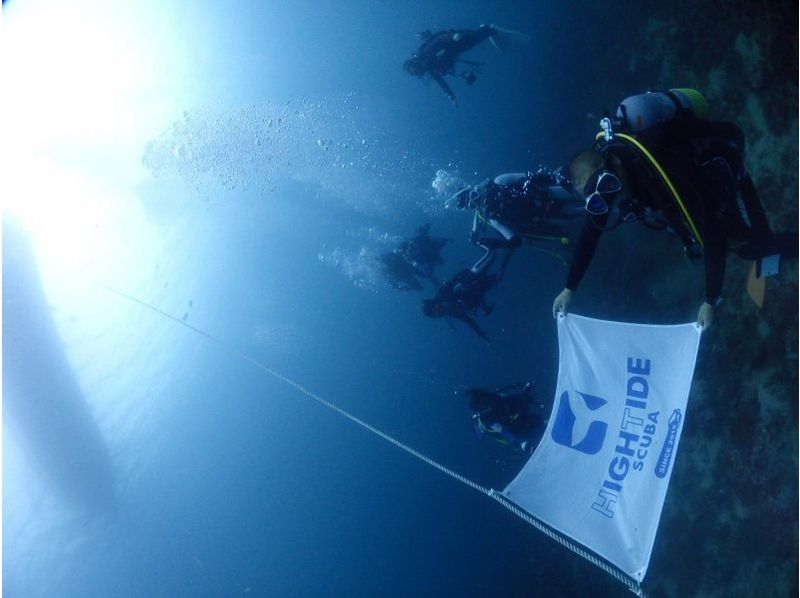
(673, 192)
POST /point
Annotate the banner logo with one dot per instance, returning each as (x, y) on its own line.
(565, 427)
(668, 449)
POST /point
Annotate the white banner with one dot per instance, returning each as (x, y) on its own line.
(601, 471)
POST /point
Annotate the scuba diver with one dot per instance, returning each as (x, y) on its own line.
(509, 415)
(399, 273)
(439, 53)
(660, 162)
(535, 205)
(415, 258)
(423, 251)
(463, 295)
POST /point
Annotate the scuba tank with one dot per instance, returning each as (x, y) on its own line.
(640, 112)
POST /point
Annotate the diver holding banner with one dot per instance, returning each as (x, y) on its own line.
(662, 163)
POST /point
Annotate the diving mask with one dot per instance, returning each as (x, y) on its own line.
(606, 187)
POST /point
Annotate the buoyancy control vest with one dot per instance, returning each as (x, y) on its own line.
(636, 137)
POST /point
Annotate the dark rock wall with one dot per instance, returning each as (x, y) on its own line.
(730, 522)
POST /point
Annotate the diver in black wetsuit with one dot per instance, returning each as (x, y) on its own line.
(463, 295)
(423, 251)
(439, 53)
(415, 258)
(510, 415)
(533, 205)
(399, 273)
(705, 161)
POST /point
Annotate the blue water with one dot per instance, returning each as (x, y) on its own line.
(277, 149)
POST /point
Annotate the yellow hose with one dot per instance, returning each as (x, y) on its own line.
(664, 178)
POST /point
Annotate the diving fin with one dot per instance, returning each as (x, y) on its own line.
(756, 285)
(502, 38)
(783, 247)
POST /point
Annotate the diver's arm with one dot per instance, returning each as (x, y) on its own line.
(584, 249)
(445, 87)
(561, 302)
(487, 308)
(472, 324)
(714, 254)
(505, 230)
(581, 258)
(478, 226)
(511, 247)
(485, 260)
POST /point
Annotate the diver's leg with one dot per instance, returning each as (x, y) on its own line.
(753, 209)
(727, 193)
(466, 39)
(763, 243)
(487, 259)
(504, 264)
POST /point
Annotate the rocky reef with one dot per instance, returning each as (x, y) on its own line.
(729, 526)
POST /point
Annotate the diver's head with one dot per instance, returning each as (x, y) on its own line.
(581, 167)
(414, 67)
(433, 308)
(467, 198)
(597, 185)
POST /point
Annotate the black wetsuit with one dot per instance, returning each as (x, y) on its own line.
(415, 258)
(514, 408)
(438, 54)
(705, 162)
(399, 273)
(424, 251)
(463, 295)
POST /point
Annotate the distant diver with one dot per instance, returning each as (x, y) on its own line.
(662, 163)
(415, 258)
(398, 272)
(537, 206)
(464, 294)
(510, 415)
(439, 53)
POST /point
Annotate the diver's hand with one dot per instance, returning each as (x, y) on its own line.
(453, 101)
(496, 428)
(561, 302)
(705, 315)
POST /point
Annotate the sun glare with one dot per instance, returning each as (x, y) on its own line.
(69, 149)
